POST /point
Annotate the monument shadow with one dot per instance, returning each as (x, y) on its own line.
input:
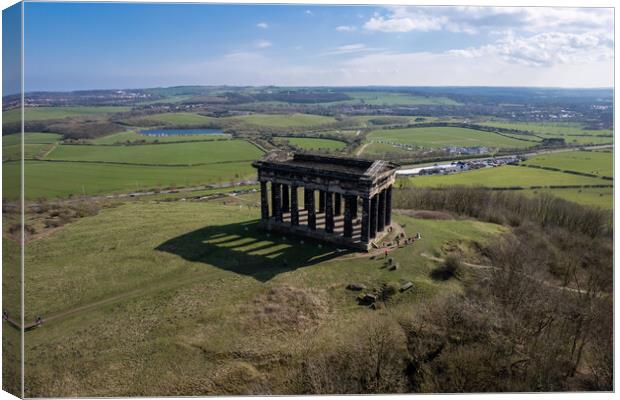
(245, 249)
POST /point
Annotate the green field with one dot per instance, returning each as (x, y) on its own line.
(506, 176)
(581, 161)
(30, 137)
(571, 139)
(13, 152)
(552, 128)
(196, 284)
(60, 179)
(132, 136)
(597, 197)
(391, 98)
(316, 144)
(173, 153)
(285, 120)
(44, 113)
(180, 118)
(380, 149)
(437, 137)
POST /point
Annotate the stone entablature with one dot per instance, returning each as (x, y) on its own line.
(342, 186)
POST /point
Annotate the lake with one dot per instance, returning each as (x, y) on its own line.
(181, 132)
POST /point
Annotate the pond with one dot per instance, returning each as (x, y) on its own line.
(181, 132)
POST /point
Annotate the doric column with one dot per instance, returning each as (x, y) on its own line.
(388, 206)
(348, 219)
(337, 204)
(311, 209)
(381, 212)
(322, 194)
(365, 220)
(329, 212)
(276, 201)
(294, 206)
(373, 216)
(264, 201)
(353, 207)
(285, 199)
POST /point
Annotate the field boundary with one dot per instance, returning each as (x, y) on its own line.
(139, 164)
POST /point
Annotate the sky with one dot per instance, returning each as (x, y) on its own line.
(104, 46)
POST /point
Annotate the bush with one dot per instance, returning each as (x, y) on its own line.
(451, 268)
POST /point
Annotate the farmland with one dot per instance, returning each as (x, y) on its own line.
(589, 162)
(42, 177)
(551, 128)
(284, 121)
(133, 136)
(164, 284)
(506, 176)
(391, 98)
(437, 137)
(30, 138)
(596, 197)
(316, 143)
(48, 113)
(173, 153)
(179, 118)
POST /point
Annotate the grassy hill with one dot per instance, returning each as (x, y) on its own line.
(142, 288)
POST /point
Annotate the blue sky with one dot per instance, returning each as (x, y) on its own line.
(99, 46)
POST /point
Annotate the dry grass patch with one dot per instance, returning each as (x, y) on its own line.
(287, 308)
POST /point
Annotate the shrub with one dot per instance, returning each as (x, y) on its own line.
(451, 268)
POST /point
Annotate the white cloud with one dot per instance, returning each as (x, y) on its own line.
(473, 20)
(346, 28)
(402, 23)
(263, 44)
(545, 49)
(350, 48)
(308, 12)
(262, 25)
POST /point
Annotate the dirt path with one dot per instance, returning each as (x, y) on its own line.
(361, 149)
(47, 151)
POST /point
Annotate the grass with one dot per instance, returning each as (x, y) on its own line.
(379, 149)
(45, 113)
(437, 137)
(597, 163)
(316, 144)
(597, 197)
(506, 176)
(391, 98)
(552, 128)
(60, 179)
(132, 136)
(285, 120)
(30, 138)
(14, 152)
(180, 118)
(173, 153)
(190, 281)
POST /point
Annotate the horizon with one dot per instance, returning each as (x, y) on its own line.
(322, 86)
(76, 46)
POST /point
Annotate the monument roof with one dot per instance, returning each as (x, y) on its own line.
(325, 165)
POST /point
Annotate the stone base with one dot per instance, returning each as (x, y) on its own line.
(320, 234)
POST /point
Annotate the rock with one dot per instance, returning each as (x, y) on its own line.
(406, 286)
(356, 286)
(394, 267)
(367, 298)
